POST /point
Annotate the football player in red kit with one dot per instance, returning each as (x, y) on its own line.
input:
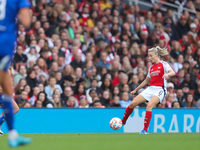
(157, 75)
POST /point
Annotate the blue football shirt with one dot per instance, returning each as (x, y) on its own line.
(8, 27)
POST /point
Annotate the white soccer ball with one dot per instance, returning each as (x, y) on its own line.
(115, 123)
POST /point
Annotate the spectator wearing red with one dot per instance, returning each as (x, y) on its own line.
(21, 29)
(123, 80)
(164, 36)
(142, 24)
(192, 35)
(116, 77)
(33, 99)
(71, 11)
(184, 41)
(84, 14)
(36, 26)
(21, 41)
(79, 91)
(27, 88)
(170, 99)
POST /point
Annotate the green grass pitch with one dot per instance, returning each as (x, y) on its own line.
(109, 141)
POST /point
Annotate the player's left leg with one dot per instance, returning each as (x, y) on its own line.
(7, 100)
(153, 102)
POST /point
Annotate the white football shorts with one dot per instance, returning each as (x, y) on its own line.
(152, 91)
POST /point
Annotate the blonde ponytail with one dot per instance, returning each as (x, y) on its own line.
(161, 51)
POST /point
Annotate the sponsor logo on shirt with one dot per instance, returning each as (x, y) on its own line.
(155, 73)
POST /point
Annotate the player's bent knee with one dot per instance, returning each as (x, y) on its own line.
(149, 107)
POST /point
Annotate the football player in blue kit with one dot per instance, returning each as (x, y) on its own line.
(9, 11)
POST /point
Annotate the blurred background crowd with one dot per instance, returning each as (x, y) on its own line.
(92, 53)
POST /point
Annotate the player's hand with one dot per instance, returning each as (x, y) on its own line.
(166, 76)
(133, 92)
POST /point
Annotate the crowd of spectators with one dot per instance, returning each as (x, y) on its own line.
(92, 53)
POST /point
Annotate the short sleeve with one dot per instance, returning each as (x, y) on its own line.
(148, 74)
(24, 4)
(166, 67)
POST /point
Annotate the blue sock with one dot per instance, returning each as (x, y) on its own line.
(8, 111)
(2, 119)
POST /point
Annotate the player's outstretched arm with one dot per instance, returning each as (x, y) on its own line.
(143, 84)
(25, 17)
(169, 74)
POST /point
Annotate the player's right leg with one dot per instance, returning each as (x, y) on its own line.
(153, 102)
(136, 101)
(13, 137)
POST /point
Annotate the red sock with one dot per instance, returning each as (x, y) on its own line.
(147, 120)
(127, 113)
